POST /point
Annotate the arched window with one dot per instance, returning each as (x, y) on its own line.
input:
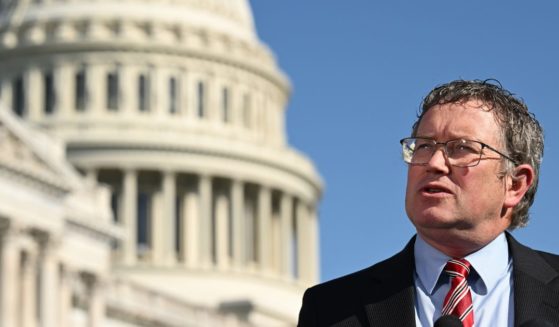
(173, 96)
(144, 93)
(50, 97)
(225, 110)
(201, 99)
(143, 228)
(112, 91)
(81, 90)
(18, 96)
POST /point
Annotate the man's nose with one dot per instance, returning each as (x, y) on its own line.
(439, 161)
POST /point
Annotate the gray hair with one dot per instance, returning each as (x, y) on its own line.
(522, 133)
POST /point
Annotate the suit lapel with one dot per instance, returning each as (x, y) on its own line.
(535, 284)
(535, 295)
(393, 301)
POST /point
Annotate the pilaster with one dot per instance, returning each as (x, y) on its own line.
(64, 90)
(129, 90)
(96, 87)
(160, 94)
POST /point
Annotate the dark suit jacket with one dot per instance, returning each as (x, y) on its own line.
(383, 294)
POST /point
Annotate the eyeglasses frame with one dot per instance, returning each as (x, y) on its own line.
(443, 144)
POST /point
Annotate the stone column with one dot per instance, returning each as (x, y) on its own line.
(286, 235)
(65, 309)
(170, 214)
(276, 239)
(49, 300)
(303, 271)
(205, 198)
(191, 228)
(221, 236)
(29, 289)
(157, 223)
(314, 248)
(9, 279)
(130, 216)
(237, 209)
(264, 227)
(251, 242)
(96, 310)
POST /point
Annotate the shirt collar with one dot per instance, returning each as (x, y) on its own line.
(490, 263)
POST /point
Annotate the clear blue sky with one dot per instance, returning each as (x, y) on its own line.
(359, 70)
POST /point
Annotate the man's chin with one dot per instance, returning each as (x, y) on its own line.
(433, 219)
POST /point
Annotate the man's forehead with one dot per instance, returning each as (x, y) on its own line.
(465, 104)
(460, 119)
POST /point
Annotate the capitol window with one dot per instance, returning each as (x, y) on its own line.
(81, 92)
(225, 105)
(143, 93)
(49, 99)
(201, 99)
(18, 96)
(173, 98)
(112, 91)
(143, 229)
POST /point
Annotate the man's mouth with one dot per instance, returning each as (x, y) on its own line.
(434, 190)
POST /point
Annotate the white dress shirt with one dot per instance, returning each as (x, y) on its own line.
(490, 281)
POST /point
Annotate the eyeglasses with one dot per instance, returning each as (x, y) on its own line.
(459, 152)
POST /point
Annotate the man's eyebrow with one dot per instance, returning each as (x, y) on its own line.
(452, 137)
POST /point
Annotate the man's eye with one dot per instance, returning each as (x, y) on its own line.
(465, 148)
(423, 146)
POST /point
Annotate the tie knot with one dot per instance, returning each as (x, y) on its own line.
(457, 268)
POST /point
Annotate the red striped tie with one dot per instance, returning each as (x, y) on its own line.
(458, 301)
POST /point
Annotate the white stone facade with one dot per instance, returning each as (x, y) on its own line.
(193, 210)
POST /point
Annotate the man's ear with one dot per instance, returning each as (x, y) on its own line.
(518, 183)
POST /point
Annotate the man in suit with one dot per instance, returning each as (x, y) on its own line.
(473, 166)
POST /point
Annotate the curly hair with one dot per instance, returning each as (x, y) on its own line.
(521, 132)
